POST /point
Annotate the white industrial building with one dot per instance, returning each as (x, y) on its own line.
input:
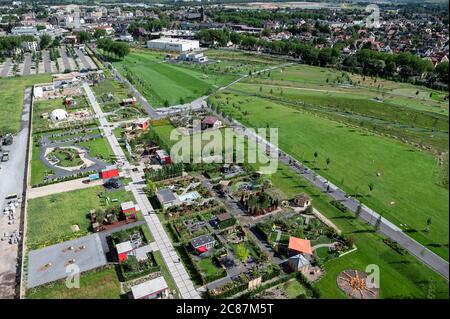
(173, 44)
(193, 57)
(24, 31)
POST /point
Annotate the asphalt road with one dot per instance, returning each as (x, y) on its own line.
(12, 181)
(83, 59)
(63, 54)
(26, 64)
(6, 66)
(47, 62)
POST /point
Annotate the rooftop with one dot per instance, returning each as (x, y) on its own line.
(202, 240)
(127, 205)
(149, 287)
(166, 195)
(124, 247)
(300, 245)
(172, 40)
(50, 263)
(224, 216)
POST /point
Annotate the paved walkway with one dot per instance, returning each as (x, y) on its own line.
(27, 64)
(62, 187)
(162, 241)
(63, 54)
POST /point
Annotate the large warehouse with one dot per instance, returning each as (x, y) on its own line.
(173, 44)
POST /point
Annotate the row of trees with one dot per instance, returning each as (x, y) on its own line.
(398, 66)
(118, 49)
(148, 25)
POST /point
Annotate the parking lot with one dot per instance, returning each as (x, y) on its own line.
(80, 60)
(12, 178)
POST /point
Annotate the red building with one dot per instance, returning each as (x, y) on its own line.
(141, 124)
(128, 209)
(163, 157)
(109, 172)
(123, 250)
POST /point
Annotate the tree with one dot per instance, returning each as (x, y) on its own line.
(45, 41)
(328, 161)
(99, 33)
(84, 37)
(241, 253)
(378, 223)
(371, 187)
(358, 211)
(315, 156)
(151, 188)
(427, 229)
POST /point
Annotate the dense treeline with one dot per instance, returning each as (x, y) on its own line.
(257, 18)
(403, 66)
(119, 49)
(150, 25)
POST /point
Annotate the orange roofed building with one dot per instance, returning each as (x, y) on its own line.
(297, 246)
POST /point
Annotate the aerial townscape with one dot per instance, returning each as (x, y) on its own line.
(119, 178)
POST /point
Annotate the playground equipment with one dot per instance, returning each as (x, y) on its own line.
(354, 284)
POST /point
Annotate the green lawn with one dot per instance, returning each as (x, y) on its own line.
(11, 100)
(209, 271)
(165, 81)
(405, 190)
(99, 148)
(293, 288)
(96, 284)
(50, 218)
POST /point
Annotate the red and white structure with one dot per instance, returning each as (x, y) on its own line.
(109, 172)
(123, 250)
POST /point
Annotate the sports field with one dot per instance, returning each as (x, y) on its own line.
(11, 100)
(168, 83)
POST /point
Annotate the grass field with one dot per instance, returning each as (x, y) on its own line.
(11, 100)
(161, 81)
(164, 82)
(50, 218)
(405, 191)
(96, 284)
(402, 94)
